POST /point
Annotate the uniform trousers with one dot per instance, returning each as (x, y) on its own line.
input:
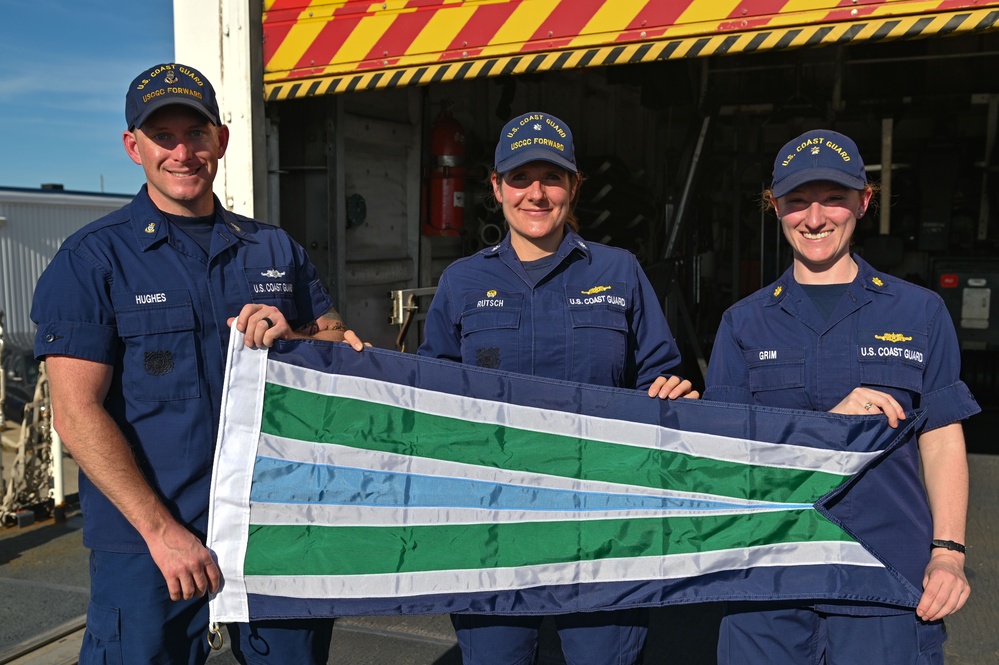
(772, 634)
(132, 620)
(588, 638)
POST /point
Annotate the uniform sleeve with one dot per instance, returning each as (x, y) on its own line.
(73, 310)
(441, 331)
(312, 297)
(654, 350)
(944, 396)
(728, 375)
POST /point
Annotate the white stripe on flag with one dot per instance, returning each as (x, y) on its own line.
(524, 577)
(325, 515)
(780, 455)
(229, 519)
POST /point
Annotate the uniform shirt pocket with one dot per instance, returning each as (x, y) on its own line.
(892, 359)
(160, 349)
(490, 330)
(273, 285)
(775, 369)
(599, 318)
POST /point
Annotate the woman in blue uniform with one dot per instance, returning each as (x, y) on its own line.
(834, 334)
(544, 302)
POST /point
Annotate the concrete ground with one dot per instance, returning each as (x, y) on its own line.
(44, 588)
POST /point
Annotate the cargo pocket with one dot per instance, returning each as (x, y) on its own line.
(161, 360)
(931, 638)
(102, 639)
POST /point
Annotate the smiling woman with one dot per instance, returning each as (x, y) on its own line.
(835, 334)
(547, 303)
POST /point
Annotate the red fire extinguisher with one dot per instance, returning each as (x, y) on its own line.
(446, 215)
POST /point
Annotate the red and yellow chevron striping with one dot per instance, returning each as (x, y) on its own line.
(315, 47)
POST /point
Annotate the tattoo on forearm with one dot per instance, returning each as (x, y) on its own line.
(330, 320)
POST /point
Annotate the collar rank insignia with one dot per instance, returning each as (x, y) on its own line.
(778, 290)
(151, 228)
(877, 281)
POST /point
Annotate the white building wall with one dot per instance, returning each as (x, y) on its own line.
(33, 225)
(222, 39)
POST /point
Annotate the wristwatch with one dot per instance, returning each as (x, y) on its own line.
(948, 545)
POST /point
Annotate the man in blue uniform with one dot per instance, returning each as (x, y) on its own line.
(834, 334)
(133, 317)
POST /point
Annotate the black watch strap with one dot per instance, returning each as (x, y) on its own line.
(948, 545)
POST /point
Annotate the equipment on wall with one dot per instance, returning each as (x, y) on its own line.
(446, 181)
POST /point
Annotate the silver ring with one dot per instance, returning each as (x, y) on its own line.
(868, 406)
(270, 324)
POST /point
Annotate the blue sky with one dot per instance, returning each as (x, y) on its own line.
(64, 69)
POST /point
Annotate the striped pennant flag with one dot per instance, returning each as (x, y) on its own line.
(383, 483)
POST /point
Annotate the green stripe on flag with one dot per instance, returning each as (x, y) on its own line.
(308, 416)
(322, 550)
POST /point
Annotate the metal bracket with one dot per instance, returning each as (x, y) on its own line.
(405, 308)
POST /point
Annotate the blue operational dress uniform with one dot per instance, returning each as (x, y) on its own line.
(774, 348)
(134, 292)
(591, 316)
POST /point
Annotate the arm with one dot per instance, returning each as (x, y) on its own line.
(655, 351)
(727, 379)
(945, 472)
(441, 335)
(78, 388)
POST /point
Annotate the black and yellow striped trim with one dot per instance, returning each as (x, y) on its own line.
(870, 30)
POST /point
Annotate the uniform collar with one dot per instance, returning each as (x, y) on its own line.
(152, 228)
(570, 242)
(871, 279)
(867, 278)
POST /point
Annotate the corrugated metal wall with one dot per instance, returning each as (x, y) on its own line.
(33, 226)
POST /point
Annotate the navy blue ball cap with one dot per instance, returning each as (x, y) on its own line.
(534, 137)
(819, 154)
(166, 84)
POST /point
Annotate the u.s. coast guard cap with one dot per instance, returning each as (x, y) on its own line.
(819, 154)
(533, 137)
(167, 84)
